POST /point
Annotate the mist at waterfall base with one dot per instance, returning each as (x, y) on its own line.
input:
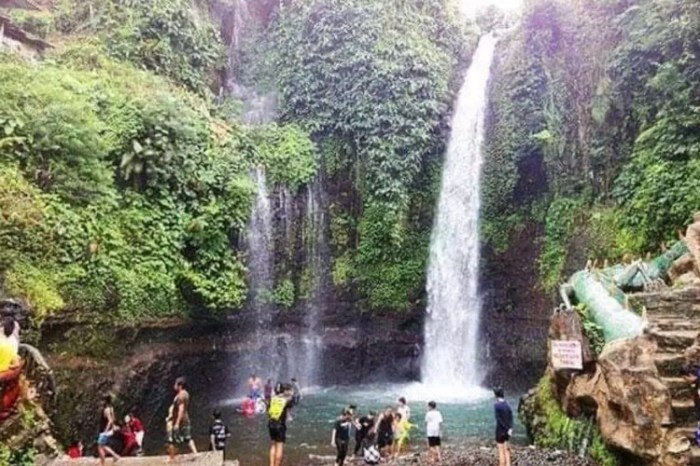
(451, 364)
(310, 430)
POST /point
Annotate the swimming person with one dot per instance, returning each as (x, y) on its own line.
(277, 422)
(340, 436)
(504, 426)
(433, 425)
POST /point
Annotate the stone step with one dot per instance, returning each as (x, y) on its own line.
(683, 411)
(680, 388)
(678, 339)
(666, 323)
(685, 302)
(669, 364)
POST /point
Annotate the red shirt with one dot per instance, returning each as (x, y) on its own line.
(75, 451)
(136, 424)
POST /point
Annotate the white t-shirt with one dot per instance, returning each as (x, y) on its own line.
(404, 411)
(433, 419)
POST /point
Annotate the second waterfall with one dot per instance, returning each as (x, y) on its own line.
(451, 356)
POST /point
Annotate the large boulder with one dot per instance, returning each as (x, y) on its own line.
(624, 392)
(633, 405)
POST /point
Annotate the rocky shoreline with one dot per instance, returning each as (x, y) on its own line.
(475, 455)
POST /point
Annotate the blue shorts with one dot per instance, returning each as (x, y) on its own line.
(103, 439)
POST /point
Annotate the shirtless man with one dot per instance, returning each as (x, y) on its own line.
(255, 386)
(182, 431)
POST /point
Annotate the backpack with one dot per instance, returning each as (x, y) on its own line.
(276, 409)
(371, 455)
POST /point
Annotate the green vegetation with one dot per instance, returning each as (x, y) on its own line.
(593, 112)
(170, 37)
(370, 80)
(24, 457)
(122, 193)
(554, 429)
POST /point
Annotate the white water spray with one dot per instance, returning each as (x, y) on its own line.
(451, 360)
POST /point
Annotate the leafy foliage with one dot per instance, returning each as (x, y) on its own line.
(595, 104)
(145, 195)
(555, 430)
(372, 78)
(172, 38)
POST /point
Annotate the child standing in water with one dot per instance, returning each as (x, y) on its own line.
(504, 426)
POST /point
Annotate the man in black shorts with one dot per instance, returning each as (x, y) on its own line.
(504, 426)
(277, 422)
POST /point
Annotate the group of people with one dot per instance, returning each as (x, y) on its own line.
(129, 434)
(378, 437)
(382, 437)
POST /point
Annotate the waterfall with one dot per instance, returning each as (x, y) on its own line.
(451, 354)
(259, 245)
(317, 271)
(258, 107)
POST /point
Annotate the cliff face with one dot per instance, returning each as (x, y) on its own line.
(516, 312)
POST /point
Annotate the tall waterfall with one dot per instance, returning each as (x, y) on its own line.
(450, 358)
(259, 245)
(317, 252)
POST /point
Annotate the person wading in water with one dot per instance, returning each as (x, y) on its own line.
(182, 431)
(277, 423)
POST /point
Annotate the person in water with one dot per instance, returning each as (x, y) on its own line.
(433, 426)
(296, 391)
(268, 391)
(248, 407)
(504, 426)
(363, 426)
(254, 387)
(277, 422)
(340, 436)
(181, 428)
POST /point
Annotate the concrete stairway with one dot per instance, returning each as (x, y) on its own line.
(674, 322)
